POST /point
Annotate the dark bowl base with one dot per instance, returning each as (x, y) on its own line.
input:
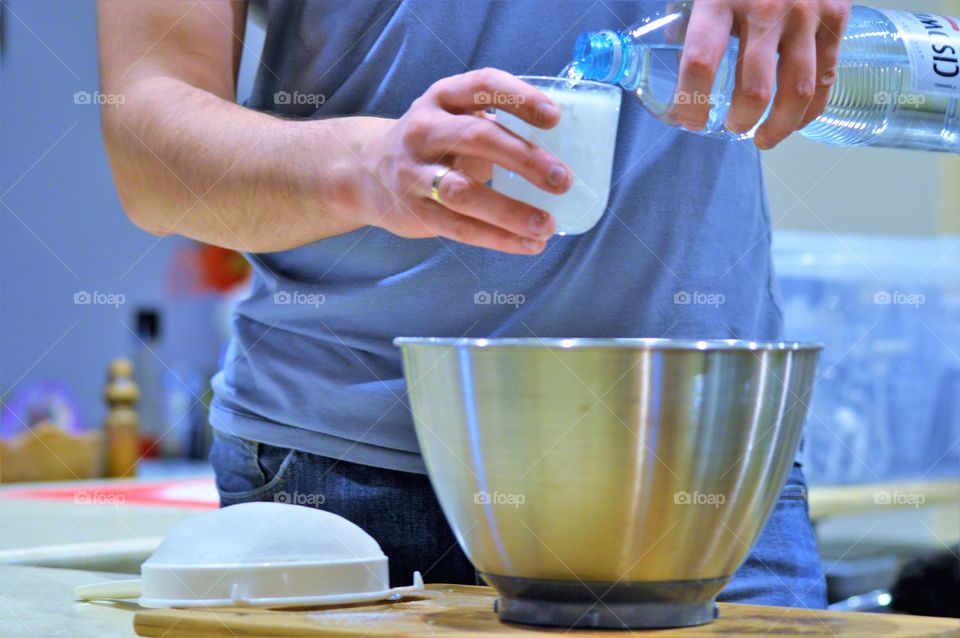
(597, 605)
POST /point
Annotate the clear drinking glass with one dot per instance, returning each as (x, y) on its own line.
(584, 140)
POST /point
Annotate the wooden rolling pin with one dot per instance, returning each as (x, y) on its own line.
(114, 555)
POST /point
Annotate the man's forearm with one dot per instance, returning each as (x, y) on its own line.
(188, 162)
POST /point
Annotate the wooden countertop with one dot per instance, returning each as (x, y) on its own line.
(39, 601)
(459, 610)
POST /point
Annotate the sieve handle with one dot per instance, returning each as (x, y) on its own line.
(129, 588)
(417, 585)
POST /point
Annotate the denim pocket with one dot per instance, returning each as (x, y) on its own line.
(795, 488)
(247, 470)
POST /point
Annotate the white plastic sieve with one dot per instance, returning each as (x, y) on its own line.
(259, 554)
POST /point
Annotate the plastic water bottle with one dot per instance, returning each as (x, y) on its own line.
(897, 84)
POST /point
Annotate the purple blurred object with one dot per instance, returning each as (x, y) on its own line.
(37, 401)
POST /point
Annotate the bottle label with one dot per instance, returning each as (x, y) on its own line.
(933, 44)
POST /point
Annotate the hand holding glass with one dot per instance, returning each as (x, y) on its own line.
(584, 140)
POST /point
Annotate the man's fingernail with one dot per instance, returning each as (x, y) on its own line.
(546, 112)
(538, 223)
(558, 175)
(762, 143)
(531, 245)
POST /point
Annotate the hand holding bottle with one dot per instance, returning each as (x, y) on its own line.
(806, 35)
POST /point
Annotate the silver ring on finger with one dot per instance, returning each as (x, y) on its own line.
(435, 189)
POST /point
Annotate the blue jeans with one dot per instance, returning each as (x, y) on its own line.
(401, 512)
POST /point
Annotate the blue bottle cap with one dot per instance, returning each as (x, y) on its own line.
(599, 56)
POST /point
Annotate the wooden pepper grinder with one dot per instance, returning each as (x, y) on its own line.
(122, 422)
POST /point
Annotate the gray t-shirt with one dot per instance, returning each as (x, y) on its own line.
(311, 364)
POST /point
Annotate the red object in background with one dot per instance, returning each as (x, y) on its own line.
(149, 445)
(222, 268)
(201, 268)
(199, 493)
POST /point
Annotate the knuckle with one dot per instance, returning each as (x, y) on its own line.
(432, 89)
(767, 11)
(416, 131)
(803, 15)
(802, 90)
(756, 96)
(435, 90)
(835, 12)
(453, 188)
(697, 63)
(479, 133)
(485, 77)
(418, 103)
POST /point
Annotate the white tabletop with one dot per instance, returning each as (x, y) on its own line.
(39, 602)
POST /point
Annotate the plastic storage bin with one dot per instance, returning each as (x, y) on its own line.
(886, 404)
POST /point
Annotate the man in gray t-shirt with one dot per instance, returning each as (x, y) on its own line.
(331, 197)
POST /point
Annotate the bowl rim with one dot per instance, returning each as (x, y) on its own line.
(624, 343)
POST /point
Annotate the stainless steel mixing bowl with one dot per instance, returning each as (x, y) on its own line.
(607, 482)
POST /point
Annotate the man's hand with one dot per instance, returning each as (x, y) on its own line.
(805, 33)
(188, 160)
(447, 127)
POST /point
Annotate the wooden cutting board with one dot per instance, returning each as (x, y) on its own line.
(457, 610)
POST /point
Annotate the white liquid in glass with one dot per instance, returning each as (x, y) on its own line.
(584, 140)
